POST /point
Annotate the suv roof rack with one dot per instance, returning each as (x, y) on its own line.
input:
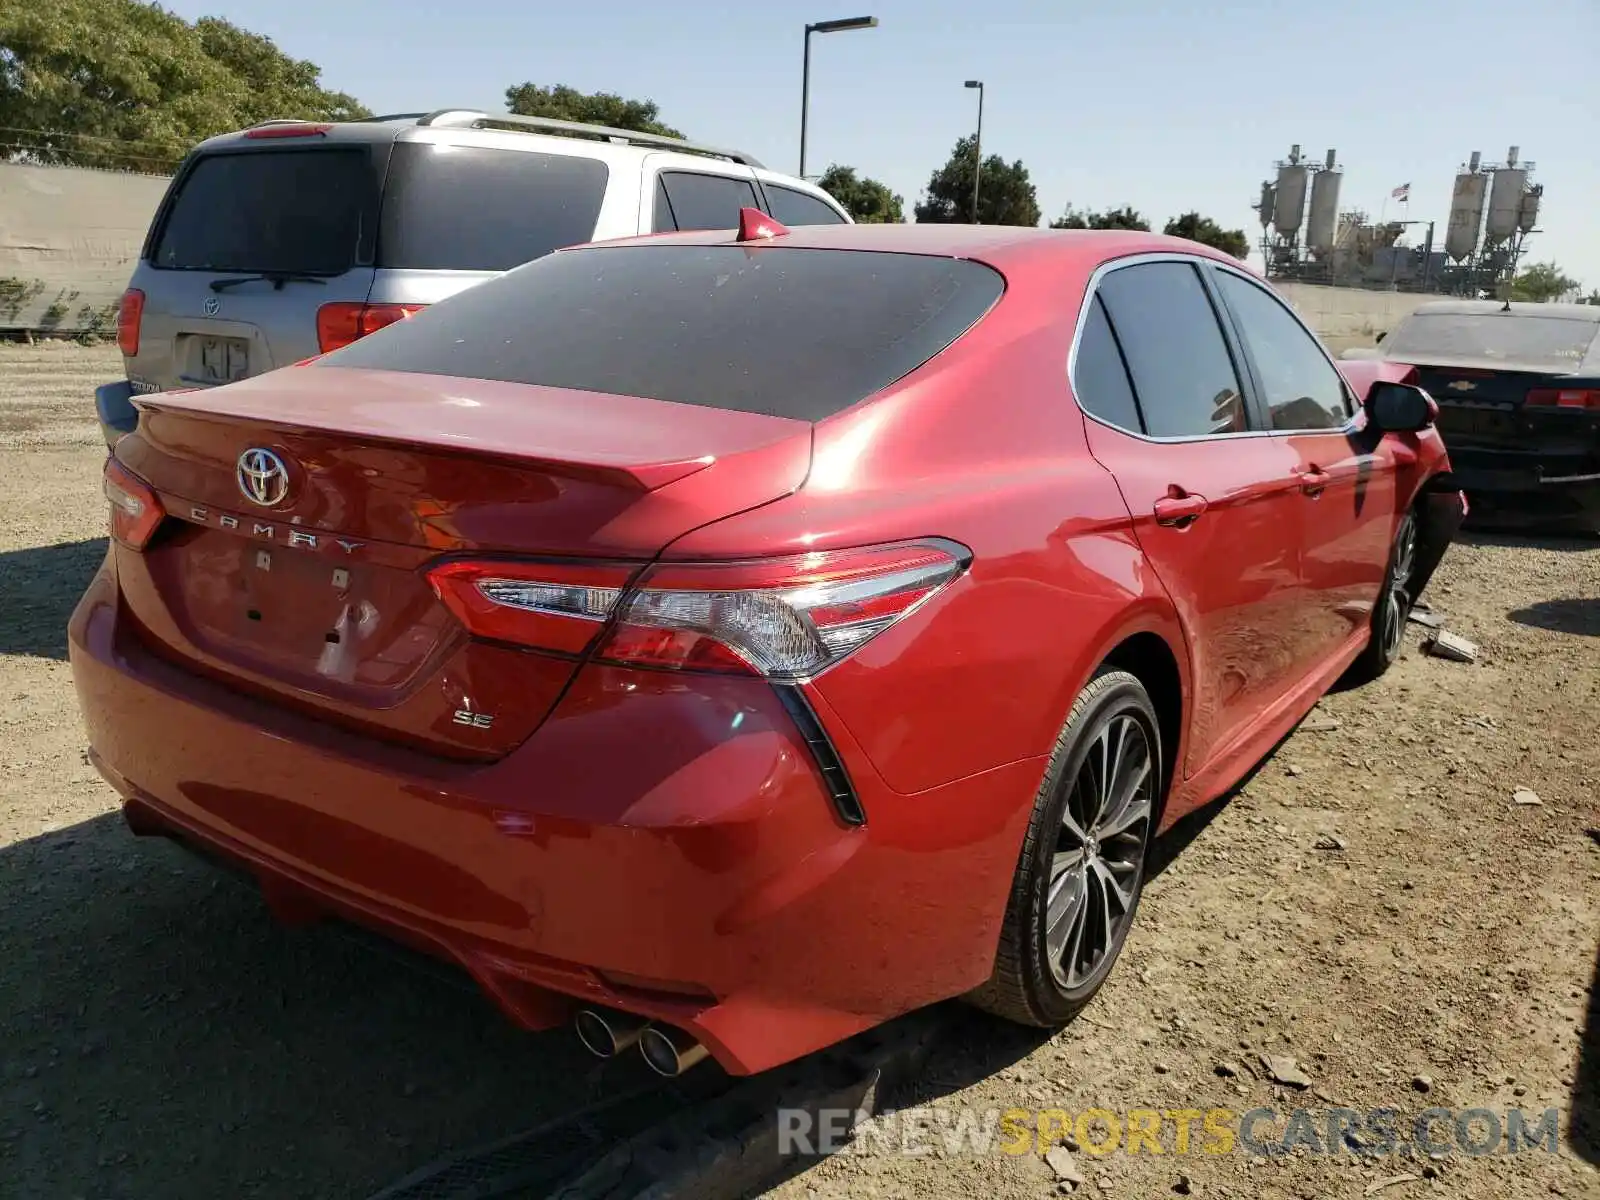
(469, 118)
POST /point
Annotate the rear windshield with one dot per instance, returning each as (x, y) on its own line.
(474, 208)
(298, 211)
(788, 332)
(1551, 343)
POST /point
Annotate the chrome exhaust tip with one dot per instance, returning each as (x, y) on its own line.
(606, 1034)
(669, 1051)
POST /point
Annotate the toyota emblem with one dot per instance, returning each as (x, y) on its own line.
(262, 477)
(212, 306)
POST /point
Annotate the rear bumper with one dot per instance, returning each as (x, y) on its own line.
(1531, 493)
(113, 406)
(660, 850)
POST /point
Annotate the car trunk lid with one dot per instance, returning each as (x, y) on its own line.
(317, 598)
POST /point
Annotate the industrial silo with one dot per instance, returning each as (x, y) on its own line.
(1528, 214)
(1505, 200)
(1323, 221)
(1268, 198)
(1289, 204)
(1466, 211)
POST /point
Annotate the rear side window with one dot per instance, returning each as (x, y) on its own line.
(796, 208)
(298, 211)
(474, 208)
(797, 333)
(1180, 365)
(697, 201)
(1302, 389)
(1099, 378)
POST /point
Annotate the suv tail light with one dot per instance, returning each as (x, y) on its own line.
(786, 619)
(343, 322)
(135, 510)
(1565, 398)
(130, 314)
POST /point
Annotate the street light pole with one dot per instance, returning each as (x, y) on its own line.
(977, 150)
(838, 26)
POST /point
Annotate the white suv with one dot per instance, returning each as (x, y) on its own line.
(292, 238)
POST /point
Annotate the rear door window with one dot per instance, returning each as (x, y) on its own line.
(1099, 376)
(476, 208)
(1180, 365)
(700, 201)
(795, 332)
(1301, 388)
(797, 208)
(294, 211)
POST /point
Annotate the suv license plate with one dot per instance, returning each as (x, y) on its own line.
(224, 360)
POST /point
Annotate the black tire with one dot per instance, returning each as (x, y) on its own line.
(1387, 625)
(1035, 980)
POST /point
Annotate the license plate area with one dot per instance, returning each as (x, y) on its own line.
(1476, 422)
(222, 359)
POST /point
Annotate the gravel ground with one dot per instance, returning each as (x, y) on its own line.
(1374, 905)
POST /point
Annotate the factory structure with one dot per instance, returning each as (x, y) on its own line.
(1307, 237)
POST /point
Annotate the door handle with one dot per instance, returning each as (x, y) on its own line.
(1313, 481)
(1179, 510)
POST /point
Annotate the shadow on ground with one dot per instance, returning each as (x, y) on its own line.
(41, 585)
(1583, 1130)
(1563, 616)
(1510, 535)
(161, 1036)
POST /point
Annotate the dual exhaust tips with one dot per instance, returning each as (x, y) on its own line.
(668, 1051)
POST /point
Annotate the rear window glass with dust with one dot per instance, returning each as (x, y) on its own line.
(800, 333)
(290, 211)
(1550, 343)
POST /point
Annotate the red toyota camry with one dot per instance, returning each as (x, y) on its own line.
(728, 641)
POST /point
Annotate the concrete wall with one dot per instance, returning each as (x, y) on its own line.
(68, 240)
(1346, 317)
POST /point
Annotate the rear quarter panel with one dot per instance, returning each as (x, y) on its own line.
(982, 445)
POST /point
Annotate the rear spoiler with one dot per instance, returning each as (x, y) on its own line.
(625, 472)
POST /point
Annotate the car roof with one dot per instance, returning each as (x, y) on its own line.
(1008, 248)
(1518, 308)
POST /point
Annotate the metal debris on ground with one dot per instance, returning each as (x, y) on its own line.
(1319, 724)
(1444, 644)
(1430, 619)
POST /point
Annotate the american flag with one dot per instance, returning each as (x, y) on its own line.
(1403, 192)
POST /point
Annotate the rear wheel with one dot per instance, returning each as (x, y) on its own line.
(1393, 607)
(1082, 866)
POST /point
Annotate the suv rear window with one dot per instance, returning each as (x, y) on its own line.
(1547, 343)
(300, 211)
(789, 332)
(476, 208)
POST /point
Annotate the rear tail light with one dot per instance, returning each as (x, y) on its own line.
(341, 323)
(130, 313)
(786, 619)
(135, 511)
(1565, 398)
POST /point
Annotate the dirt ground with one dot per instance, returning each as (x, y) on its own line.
(1373, 904)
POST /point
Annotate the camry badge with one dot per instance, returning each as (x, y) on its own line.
(262, 477)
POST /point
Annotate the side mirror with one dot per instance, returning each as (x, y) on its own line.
(1400, 408)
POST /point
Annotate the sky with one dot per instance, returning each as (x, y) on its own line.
(1162, 105)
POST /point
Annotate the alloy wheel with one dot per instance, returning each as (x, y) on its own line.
(1397, 598)
(1099, 855)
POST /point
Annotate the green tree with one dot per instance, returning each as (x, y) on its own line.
(1196, 228)
(591, 108)
(1542, 283)
(866, 200)
(1006, 195)
(118, 83)
(1126, 217)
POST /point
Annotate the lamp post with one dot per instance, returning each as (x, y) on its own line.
(977, 149)
(838, 26)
